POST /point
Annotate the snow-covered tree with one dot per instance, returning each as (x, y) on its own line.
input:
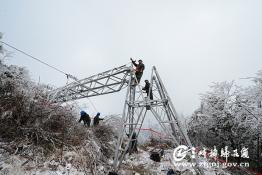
(1, 46)
(229, 116)
(3, 52)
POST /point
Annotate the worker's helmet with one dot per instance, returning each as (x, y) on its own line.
(146, 81)
(82, 113)
(98, 113)
(140, 60)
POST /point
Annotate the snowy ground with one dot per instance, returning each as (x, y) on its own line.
(141, 163)
(135, 164)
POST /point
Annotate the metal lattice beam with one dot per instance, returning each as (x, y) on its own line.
(103, 83)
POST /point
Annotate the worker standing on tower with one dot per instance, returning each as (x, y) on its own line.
(140, 67)
(147, 89)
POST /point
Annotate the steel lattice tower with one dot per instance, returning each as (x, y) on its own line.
(136, 105)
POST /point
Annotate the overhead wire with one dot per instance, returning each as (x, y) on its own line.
(50, 66)
(37, 59)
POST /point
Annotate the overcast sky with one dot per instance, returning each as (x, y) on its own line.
(192, 43)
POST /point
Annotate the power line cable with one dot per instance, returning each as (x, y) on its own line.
(37, 59)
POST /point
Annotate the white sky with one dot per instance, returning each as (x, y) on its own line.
(192, 43)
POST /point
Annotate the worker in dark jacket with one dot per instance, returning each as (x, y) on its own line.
(140, 67)
(133, 143)
(147, 89)
(85, 117)
(97, 119)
